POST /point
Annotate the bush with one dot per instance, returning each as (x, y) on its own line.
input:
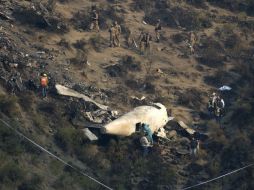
(80, 44)
(211, 53)
(179, 16)
(31, 184)
(236, 154)
(9, 142)
(219, 78)
(80, 59)
(198, 3)
(143, 5)
(47, 107)
(97, 42)
(8, 105)
(69, 139)
(191, 98)
(236, 5)
(26, 101)
(10, 172)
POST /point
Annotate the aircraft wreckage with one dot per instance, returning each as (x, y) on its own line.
(155, 115)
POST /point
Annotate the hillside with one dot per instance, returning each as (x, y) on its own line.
(39, 37)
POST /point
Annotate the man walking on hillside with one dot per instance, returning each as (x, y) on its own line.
(131, 41)
(194, 147)
(144, 39)
(118, 31)
(95, 21)
(44, 84)
(157, 30)
(192, 41)
(112, 33)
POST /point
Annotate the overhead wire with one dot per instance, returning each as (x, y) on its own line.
(102, 184)
(219, 177)
(54, 156)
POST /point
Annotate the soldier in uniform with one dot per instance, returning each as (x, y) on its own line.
(157, 30)
(131, 40)
(95, 21)
(192, 41)
(112, 32)
(145, 39)
(118, 31)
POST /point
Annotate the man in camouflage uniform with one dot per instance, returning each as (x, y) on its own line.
(112, 32)
(118, 31)
(144, 39)
(157, 30)
(131, 40)
(95, 21)
(193, 40)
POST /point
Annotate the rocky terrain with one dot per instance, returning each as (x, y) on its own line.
(36, 38)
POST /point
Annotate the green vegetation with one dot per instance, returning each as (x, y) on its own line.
(8, 105)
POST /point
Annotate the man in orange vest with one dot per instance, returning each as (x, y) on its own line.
(44, 84)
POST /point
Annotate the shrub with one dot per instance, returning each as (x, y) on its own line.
(26, 101)
(143, 5)
(69, 139)
(219, 78)
(47, 107)
(80, 44)
(97, 42)
(211, 53)
(197, 3)
(191, 98)
(32, 184)
(9, 142)
(8, 105)
(80, 59)
(236, 154)
(10, 172)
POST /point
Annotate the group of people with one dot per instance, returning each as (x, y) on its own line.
(115, 31)
(216, 106)
(146, 139)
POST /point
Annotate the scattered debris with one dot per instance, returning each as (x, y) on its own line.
(98, 116)
(161, 133)
(159, 71)
(6, 17)
(224, 88)
(88, 63)
(90, 135)
(186, 128)
(136, 98)
(62, 90)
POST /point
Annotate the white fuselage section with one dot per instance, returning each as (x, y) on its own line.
(155, 116)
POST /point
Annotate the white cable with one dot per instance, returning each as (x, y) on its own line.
(54, 156)
(224, 175)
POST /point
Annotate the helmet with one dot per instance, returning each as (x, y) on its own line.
(44, 75)
(214, 94)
